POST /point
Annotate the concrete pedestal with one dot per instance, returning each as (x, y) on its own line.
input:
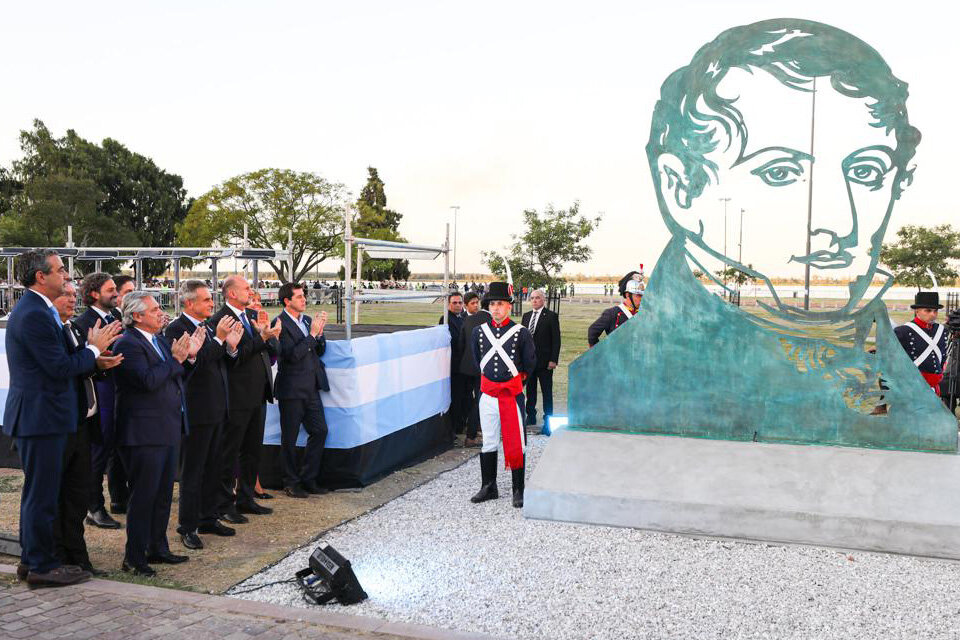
(893, 501)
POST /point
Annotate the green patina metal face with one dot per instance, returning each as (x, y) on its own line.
(691, 364)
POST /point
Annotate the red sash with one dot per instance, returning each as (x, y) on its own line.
(510, 428)
(933, 379)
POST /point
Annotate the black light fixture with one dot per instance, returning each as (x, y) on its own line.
(329, 577)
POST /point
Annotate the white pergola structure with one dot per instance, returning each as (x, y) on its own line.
(138, 254)
(387, 249)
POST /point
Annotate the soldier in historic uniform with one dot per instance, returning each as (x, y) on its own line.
(631, 288)
(506, 356)
(924, 340)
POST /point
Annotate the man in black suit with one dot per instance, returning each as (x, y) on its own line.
(300, 379)
(75, 485)
(474, 316)
(41, 409)
(151, 419)
(99, 293)
(251, 387)
(545, 327)
(457, 381)
(207, 400)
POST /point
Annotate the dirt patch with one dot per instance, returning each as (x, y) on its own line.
(261, 542)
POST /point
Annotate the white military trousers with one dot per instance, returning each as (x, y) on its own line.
(490, 423)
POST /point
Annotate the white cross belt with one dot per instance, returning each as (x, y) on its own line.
(932, 343)
(497, 348)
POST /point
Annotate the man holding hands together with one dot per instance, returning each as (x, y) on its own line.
(300, 379)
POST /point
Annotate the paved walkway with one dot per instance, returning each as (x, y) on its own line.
(108, 610)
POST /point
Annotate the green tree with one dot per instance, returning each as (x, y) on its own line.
(136, 194)
(374, 220)
(549, 241)
(272, 202)
(918, 249)
(734, 275)
(40, 213)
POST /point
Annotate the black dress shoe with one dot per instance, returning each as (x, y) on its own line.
(89, 568)
(254, 508)
(165, 557)
(296, 491)
(144, 570)
(191, 540)
(263, 496)
(100, 518)
(118, 509)
(312, 487)
(216, 529)
(59, 577)
(234, 517)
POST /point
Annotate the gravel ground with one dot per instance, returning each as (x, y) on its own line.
(431, 557)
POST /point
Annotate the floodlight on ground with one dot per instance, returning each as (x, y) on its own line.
(329, 577)
(554, 423)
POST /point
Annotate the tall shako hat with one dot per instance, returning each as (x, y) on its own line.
(499, 291)
(926, 300)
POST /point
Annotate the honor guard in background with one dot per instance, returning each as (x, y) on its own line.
(506, 356)
(631, 288)
(924, 340)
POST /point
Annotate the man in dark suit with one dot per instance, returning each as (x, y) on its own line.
(545, 327)
(474, 317)
(251, 387)
(41, 408)
(100, 296)
(207, 400)
(457, 381)
(300, 379)
(151, 418)
(75, 484)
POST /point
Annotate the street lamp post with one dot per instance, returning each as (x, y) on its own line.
(724, 201)
(456, 210)
(806, 266)
(740, 253)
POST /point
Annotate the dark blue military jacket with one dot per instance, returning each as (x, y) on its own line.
(915, 345)
(519, 348)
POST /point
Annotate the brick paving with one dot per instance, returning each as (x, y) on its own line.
(108, 610)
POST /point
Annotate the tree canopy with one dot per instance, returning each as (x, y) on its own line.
(549, 241)
(374, 220)
(136, 202)
(272, 202)
(918, 249)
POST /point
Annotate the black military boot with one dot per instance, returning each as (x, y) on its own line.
(518, 484)
(488, 478)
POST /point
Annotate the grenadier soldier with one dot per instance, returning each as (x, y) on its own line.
(924, 340)
(631, 288)
(506, 356)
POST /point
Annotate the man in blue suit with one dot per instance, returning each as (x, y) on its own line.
(150, 420)
(300, 379)
(41, 408)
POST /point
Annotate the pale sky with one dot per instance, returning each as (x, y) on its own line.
(495, 107)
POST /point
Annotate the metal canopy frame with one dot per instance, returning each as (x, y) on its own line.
(138, 254)
(393, 250)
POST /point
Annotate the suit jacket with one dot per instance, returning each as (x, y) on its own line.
(546, 337)
(86, 321)
(454, 325)
(207, 386)
(468, 366)
(150, 408)
(91, 424)
(251, 376)
(300, 373)
(42, 397)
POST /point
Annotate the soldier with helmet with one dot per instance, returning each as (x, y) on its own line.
(631, 288)
(506, 356)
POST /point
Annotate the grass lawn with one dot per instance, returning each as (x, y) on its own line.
(575, 317)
